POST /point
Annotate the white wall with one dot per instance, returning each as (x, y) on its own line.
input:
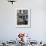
(8, 28)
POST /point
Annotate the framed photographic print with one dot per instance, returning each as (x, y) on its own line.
(23, 17)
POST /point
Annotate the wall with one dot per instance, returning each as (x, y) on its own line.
(8, 29)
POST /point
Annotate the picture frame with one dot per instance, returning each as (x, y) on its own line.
(23, 17)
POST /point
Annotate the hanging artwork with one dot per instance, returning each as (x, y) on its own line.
(23, 17)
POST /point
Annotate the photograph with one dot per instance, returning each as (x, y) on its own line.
(23, 18)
